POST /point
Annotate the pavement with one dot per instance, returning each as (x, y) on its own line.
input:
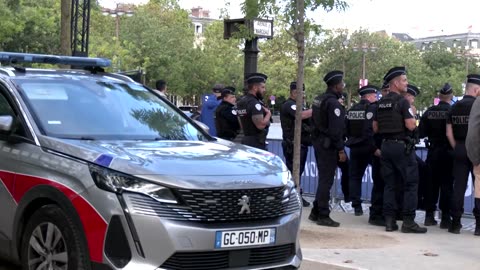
(355, 245)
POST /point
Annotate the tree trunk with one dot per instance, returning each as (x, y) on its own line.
(65, 27)
(300, 38)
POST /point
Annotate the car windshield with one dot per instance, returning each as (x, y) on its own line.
(102, 109)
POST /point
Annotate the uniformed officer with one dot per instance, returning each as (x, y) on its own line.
(360, 141)
(287, 120)
(254, 117)
(472, 143)
(457, 128)
(226, 120)
(328, 117)
(376, 209)
(439, 159)
(395, 120)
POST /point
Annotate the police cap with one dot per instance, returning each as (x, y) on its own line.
(231, 88)
(369, 89)
(333, 77)
(473, 78)
(293, 86)
(385, 85)
(413, 90)
(217, 88)
(446, 89)
(393, 73)
(227, 92)
(256, 78)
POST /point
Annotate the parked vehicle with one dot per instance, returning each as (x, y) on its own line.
(98, 172)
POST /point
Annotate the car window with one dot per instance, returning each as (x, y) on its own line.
(7, 109)
(103, 109)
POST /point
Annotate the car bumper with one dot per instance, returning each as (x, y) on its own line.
(169, 244)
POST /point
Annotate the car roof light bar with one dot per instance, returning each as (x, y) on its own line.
(14, 58)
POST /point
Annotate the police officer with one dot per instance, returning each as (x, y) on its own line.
(226, 120)
(439, 159)
(254, 117)
(328, 117)
(394, 120)
(287, 120)
(376, 209)
(457, 128)
(360, 141)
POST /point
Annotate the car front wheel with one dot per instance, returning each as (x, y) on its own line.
(52, 241)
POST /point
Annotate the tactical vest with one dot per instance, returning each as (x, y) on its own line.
(224, 130)
(437, 121)
(459, 117)
(319, 114)
(356, 117)
(389, 116)
(249, 128)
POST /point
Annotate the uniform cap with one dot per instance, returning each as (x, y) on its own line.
(446, 89)
(473, 78)
(393, 73)
(385, 85)
(293, 86)
(333, 77)
(369, 89)
(256, 78)
(231, 88)
(413, 90)
(217, 88)
(226, 92)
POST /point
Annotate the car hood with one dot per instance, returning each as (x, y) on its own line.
(188, 163)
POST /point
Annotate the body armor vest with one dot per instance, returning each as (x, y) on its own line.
(389, 116)
(459, 118)
(356, 119)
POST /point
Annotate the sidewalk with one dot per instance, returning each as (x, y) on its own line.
(357, 245)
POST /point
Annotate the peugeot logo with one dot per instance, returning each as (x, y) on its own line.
(245, 203)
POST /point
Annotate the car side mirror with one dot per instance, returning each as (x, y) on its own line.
(203, 126)
(6, 124)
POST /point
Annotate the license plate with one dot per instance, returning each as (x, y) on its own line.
(242, 238)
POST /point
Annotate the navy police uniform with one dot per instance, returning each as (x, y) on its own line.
(248, 106)
(361, 143)
(462, 166)
(399, 166)
(328, 117)
(439, 160)
(226, 120)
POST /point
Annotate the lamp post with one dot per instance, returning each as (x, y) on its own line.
(117, 12)
(365, 48)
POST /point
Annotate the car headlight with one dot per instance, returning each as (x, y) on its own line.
(117, 182)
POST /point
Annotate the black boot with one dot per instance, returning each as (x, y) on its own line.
(446, 222)
(410, 226)
(376, 221)
(313, 215)
(430, 219)
(358, 211)
(455, 226)
(390, 224)
(327, 221)
(305, 203)
(477, 226)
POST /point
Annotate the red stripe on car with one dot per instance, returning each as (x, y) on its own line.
(93, 223)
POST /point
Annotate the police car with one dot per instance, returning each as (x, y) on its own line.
(98, 172)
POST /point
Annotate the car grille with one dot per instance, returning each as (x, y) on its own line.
(219, 205)
(229, 259)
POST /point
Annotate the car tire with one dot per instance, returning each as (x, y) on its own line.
(52, 239)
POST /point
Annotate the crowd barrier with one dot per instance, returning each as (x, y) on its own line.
(310, 176)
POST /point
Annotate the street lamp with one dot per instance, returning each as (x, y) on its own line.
(117, 12)
(365, 48)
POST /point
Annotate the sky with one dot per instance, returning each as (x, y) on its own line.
(418, 18)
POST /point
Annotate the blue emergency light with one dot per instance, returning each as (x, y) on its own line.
(14, 58)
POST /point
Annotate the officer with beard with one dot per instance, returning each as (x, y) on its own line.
(360, 141)
(328, 117)
(254, 117)
(226, 120)
(394, 121)
(287, 120)
(439, 159)
(457, 128)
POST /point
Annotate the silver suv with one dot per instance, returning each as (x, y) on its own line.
(98, 172)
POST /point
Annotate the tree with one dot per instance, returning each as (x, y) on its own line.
(295, 16)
